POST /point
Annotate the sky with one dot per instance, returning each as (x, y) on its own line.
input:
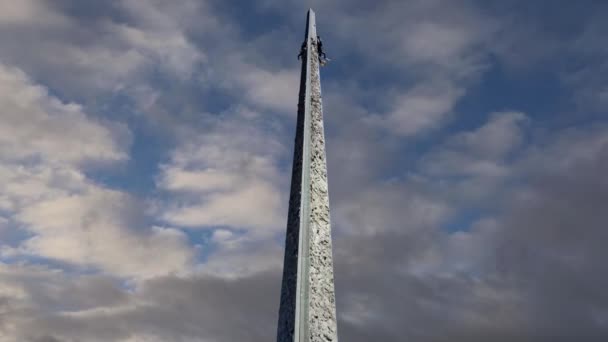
(145, 155)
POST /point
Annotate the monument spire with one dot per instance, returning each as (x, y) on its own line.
(308, 312)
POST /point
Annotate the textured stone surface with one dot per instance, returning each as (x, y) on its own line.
(322, 308)
(307, 311)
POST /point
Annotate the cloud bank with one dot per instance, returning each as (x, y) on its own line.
(145, 153)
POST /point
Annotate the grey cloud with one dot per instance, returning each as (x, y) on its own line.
(470, 168)
(552, 232)
(532, 273)
(169, 308)
(482, 152)
(561, 39)
(100, 52)
(437, 46)
(388, 207)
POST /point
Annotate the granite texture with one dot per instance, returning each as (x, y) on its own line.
(307, 311)
(321, 299)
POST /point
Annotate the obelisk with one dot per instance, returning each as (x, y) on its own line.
(308, 311)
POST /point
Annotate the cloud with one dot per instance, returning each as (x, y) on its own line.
(97, 229)
(273, 90)
(45, 146)
(495, 281)
(161, 33)
(238, 256)
(23, 13)
(550, 230)
(421, 108)
(388, 207)
(108, 53)
(34, 126)
(498, 278)
(167, 308)
(584, 77)
(470, 168)
(227, 176)
(481, 152)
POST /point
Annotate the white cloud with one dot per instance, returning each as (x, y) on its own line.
(28, 12)
(227, 176)
(171, 48)
(98, 229)
(439, 42)
(421, 108)
(34, 124)
(496, 138)
(43, 145)
(252, 205)
(241, 256)
(272, 90)
(159, 33)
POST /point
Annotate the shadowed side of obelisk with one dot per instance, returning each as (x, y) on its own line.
(289, 288)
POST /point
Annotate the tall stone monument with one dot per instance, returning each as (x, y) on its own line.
(308, 311)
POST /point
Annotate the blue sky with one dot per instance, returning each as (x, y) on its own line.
(145, 155)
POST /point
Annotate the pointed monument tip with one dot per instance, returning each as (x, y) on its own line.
(311, 15)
